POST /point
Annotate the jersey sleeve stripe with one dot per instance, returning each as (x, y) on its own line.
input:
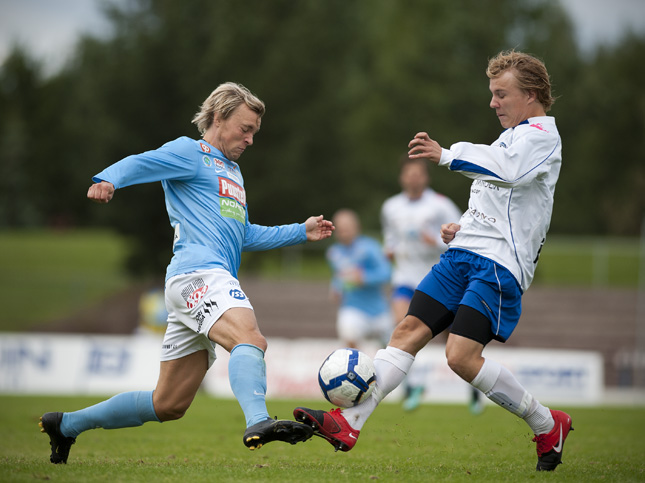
(461, 165)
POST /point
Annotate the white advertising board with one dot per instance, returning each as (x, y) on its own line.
(106, 365)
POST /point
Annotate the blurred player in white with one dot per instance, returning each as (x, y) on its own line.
(476, 288)
(360, 275)
(411, 222)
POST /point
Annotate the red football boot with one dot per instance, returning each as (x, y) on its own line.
(330, 425)
(550, 445)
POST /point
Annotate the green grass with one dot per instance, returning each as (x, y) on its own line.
(48, 274)
(564, 261)
(434, 443)
(587, 261)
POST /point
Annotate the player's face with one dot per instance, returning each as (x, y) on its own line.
(512, 105)
(234, 134)
(414, 178)
(347, 228)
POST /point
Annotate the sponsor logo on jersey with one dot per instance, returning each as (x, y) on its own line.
(205, 148)
(207, 161)
(232, 209)
(481, 216)
(196, 296)
(177, 235)
(539, 126)
(230, 189)
(193, 292)
(219, 165)
(232, 175)
(237, 294)
(502, 145)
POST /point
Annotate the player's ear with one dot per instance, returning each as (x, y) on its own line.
(532, 96)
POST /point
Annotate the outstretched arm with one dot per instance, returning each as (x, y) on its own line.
(101, 192)
(318, 228)
(260, 237)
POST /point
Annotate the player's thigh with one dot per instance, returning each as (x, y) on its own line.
(434, 314)
(179, 380)
(237, 326)
(210, 304)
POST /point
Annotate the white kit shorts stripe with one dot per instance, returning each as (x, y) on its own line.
(195, 301)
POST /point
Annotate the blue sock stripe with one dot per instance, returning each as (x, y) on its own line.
(247, 349)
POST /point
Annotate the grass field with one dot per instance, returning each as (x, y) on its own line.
(434, 443)
(47, 274)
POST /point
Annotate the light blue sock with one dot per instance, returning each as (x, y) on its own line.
(247, 375)
(124, 410)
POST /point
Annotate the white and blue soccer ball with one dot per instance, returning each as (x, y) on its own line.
(347, 377)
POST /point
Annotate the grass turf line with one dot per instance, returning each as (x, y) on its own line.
(433, 443)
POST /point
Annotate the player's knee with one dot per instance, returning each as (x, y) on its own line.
(456, 363)
(171, 412)
(411, 335)
(261, 342)
(461, 363)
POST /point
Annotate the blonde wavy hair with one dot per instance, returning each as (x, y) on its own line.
(223, 100)
(530, 73)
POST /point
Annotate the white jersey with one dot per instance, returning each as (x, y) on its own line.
(511, 199)
(406, 223)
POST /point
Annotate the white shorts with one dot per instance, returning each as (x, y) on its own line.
(353, 325)
(195, 301)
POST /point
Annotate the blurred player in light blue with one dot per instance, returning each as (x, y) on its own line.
(207, 207)
(361, 274)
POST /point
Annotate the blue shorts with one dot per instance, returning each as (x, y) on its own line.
(464, 278)
(402, 292)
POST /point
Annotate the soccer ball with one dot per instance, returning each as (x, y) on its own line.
(347, 377)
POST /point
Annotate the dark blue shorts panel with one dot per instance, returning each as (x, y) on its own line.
(464, 278)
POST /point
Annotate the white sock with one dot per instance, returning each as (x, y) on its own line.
(501, 387)
(391, 366)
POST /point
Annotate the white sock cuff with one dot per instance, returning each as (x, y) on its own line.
(398, 358)
(488, 375)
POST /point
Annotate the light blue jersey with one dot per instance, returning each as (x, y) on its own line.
(366, 255)
(206, 204)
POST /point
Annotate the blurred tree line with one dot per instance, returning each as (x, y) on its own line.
(346, 84)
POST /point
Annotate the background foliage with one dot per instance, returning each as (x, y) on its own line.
(346, 84)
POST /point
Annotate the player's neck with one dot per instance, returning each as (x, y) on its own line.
(414, 195)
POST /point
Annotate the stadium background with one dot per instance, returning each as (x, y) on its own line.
(346, 83)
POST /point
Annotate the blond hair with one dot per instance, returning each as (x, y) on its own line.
(223, 101)
(529, 71)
